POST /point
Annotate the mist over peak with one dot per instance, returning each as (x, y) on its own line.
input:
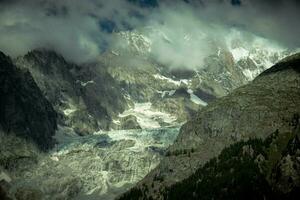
(181, 34)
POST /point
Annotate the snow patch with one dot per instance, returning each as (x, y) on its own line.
(5, 177)
(177, 83)
(195, 99)
(115, 53)
(239, 53)
(162, 137)
(83, 84)
(54, 158)
(166, 92)
(70, 110)
(147, 117)
(187, 37)
(251, 74)
(116, 122)
(219, 52)
(138, 41)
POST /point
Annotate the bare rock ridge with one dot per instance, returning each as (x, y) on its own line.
(24, 111)
(256, 110)
(290, 62)
(85, 97)
(93, 96)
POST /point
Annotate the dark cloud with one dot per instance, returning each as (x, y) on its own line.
(53, 10)
(145, 3)
(81, 30)
(236, 2)
(107, 25)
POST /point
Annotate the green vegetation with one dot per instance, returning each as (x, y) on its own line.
(277, 145)
(233, 175)
(15, 151)
(178, 152)
(134, 194)
(242, 171)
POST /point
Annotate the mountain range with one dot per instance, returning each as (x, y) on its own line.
(95, 130)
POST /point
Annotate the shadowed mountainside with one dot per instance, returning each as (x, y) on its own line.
(24, 111)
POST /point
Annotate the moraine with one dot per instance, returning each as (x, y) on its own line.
(102, 165)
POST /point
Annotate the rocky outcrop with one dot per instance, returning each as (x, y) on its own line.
(90, 97)
(253, 111)
(24, 111)
(129, 122)
(86, 97)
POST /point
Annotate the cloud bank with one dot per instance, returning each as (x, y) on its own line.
(82, 30)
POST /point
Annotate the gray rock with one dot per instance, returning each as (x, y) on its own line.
(253, 111)
(129, 122)
(86, 97)
(24, 111)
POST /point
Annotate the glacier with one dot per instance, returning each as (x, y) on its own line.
(99, 166)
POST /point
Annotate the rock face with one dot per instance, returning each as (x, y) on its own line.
(90, 97)
(86, 97)
(129, 122)
(182, 91)
(24, 111)
(256, 110)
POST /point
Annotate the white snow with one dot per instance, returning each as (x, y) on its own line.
(164, 36)
(177, 83)
(251, 74)
(260, 50)
(239, 53)
(54, 158)
(116, 122)
(5, 177)
(147, 117)
(115, 53)
(196, 99)
(219, 51)
(69, 111)
(140, 42)
(166, 92)
(187, 37)
(83, 84)
(143, 138)
(70, 108)
(185, 81)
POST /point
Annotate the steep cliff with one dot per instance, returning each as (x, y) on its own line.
(24, 111)
(86, 97)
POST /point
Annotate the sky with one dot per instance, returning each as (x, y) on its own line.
(82, 30)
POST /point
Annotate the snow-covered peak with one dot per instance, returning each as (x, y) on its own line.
(239, 53)
(261, 51)
(135, 41)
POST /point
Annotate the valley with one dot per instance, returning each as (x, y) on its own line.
(130, 124)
